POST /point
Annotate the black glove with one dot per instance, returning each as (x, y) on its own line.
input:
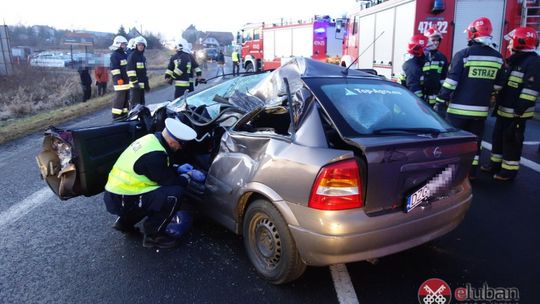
(440, 108)
(202, 80)
(147, 87)
(169, 80)
(135, 85)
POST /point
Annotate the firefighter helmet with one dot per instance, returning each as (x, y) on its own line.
(131, 44)
(117, 42)
(522, 39)
(480, 27)
(183, 45)
(139, 40)
(432, 33)
(417, 44)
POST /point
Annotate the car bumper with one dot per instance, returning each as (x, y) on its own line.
(349, 236)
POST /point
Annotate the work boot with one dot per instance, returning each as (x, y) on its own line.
(491, 168)
(505, 175)
(121, 226)
(160, 240)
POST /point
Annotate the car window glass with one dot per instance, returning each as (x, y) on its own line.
(375, 105)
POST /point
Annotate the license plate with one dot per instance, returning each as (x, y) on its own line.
(439, 181)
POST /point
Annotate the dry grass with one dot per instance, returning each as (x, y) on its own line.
(25, 124)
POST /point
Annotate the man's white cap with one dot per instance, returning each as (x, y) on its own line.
(179, 131)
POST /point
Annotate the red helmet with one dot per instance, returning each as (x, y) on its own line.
(480, 27)
(417, 45)
(523, 39)
(432, 32)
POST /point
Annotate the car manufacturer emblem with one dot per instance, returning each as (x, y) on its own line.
(437, 152)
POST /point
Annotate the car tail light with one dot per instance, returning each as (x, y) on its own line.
(337, 187)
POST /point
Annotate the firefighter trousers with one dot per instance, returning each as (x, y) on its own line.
(120, 106)
(507, 141)
(137, 97)
(476, 127)
(179, 91)
(157, 206)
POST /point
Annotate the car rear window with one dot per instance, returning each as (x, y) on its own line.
(369, 106)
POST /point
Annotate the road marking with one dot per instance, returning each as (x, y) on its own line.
(524, 161)
(342, 284)
(20, 209)
(531, 143)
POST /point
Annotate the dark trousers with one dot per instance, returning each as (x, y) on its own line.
(476, 127)
(120, 105)
(137, 97)
(101, 88)
(87, 91)
(179, 91)
(235, 68)
(507, 144)
(157, 206)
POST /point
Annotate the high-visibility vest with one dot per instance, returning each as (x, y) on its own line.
(235, 57)
(122, 179)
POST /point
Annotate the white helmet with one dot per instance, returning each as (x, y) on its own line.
(117, 42)
(139, 39)
(131, 44)
(183, 45)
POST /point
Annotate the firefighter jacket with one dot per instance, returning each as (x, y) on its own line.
(475, 73)
(182, 66)
(521, 87)
(136, 69)
(434, 72)
(118, 70)
(412, 77)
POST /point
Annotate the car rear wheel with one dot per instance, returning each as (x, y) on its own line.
(269, 244)
(249, 67)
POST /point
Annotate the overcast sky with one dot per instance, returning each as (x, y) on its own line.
(167, 17)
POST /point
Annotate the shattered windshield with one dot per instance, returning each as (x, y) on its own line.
(225, 90)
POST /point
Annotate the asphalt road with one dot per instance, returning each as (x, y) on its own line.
(66, 252)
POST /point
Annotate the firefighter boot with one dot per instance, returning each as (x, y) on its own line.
(505, 175)
(491, 168)
(160, 240)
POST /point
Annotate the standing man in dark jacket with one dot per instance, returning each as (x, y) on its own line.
(143, 183)
(436, 67)
(182, 66)
(136, 71)
(86, 82)
(412, 76)
(515, 103)
(120, 106)
(475, 73)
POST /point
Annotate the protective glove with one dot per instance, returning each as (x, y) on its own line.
(197, 175)
(147, 87)
(135, 85)
(185, 168)
(169, 80)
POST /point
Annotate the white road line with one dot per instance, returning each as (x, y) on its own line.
(342, 284)
(21, 208)
(524, 161)
(531, 143)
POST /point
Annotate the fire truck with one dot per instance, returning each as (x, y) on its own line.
(380, 31)
(267, 46)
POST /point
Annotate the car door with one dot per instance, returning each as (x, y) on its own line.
(77, 162)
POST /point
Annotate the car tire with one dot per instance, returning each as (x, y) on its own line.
(249, 68)
(269, 244)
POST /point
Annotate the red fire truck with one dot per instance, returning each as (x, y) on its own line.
(267, 46)
(381, 31)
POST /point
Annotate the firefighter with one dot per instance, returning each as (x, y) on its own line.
(515, 103)
(143, 183)
(136, 71)
(120, 78)
(235, 57)
(182, 66)
(412, 77)
(435, 67)
(475, 73)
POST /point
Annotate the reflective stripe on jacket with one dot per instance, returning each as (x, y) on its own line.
(122, 179)
(118, 70)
